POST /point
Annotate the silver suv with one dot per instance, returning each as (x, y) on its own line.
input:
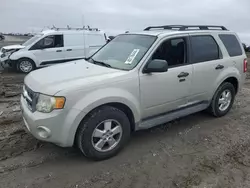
(136, 81)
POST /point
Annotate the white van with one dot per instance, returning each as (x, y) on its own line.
(51, 47)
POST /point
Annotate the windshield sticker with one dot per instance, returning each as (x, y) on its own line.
(132, 56)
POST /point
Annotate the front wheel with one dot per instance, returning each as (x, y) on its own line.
(103, 133)
(223, 100)
(25, 65)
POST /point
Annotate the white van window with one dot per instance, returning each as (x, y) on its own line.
(32, 40)
(52, 41)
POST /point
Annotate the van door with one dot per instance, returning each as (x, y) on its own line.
(74, 46)
(208, 63)
(49, 50)
(94, 42)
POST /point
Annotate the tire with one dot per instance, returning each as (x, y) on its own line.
(96, 120)
(215, 108)
(25, 65)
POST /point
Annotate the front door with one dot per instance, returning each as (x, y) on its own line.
(49, 50)
(164, 92)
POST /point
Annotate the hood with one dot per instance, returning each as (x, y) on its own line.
(13, 47)
(69, 75)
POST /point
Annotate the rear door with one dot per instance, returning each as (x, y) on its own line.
(208, 63)
(49, 50)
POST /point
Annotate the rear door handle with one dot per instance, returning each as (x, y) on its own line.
(58, 50)
(219, 67)
(183, 74)
(69, 49)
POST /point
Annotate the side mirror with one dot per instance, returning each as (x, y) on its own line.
(156, 65)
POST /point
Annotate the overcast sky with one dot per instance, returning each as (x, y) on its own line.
(115, 16)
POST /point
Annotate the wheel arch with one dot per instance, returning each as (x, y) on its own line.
(119, 105)
(16, 56)
(234, 81)
(28, 59)
(231, 75)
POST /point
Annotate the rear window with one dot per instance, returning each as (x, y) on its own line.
(204, 48)
(232, 44)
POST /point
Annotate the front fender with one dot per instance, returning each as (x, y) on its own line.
(23, 54)
(111, 95)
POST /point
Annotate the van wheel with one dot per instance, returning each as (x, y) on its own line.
(223, 100)
(103, 133)
(25, 65)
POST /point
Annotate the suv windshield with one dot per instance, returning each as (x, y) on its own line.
(124, 52)
(31, 40)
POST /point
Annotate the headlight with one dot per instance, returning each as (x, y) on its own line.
(3, 50)
(6, 54)
(47, 103)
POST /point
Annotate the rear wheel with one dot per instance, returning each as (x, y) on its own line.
(25, 65)
(103, 133)
(223, 100)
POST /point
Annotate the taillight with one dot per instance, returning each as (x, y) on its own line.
(245, 65)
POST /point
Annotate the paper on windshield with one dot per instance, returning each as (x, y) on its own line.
(132, 56)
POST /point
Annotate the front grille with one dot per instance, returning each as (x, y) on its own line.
(30, 97)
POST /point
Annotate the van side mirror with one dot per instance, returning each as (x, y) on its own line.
(156, 65)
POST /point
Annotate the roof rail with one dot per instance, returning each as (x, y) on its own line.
(76, 28)
(187, 27)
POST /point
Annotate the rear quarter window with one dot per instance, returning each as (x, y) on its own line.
(232, 44)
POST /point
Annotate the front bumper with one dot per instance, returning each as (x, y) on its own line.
(58, 127)
(6, 62)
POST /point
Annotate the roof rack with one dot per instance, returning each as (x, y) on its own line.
(187, 27)
(76, 28)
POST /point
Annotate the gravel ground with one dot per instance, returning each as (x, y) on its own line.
(192, 152)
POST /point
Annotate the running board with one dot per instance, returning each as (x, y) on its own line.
(152, 122)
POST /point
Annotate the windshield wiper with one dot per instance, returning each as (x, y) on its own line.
(101, 63)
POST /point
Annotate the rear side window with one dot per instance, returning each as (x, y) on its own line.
(232, 44)
(204, 48)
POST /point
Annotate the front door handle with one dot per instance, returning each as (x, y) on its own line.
(69, 49)
(183, 74)
(58, 50)
(219, 67)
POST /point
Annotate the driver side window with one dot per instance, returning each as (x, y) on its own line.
(173, 51)
(52, 41)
